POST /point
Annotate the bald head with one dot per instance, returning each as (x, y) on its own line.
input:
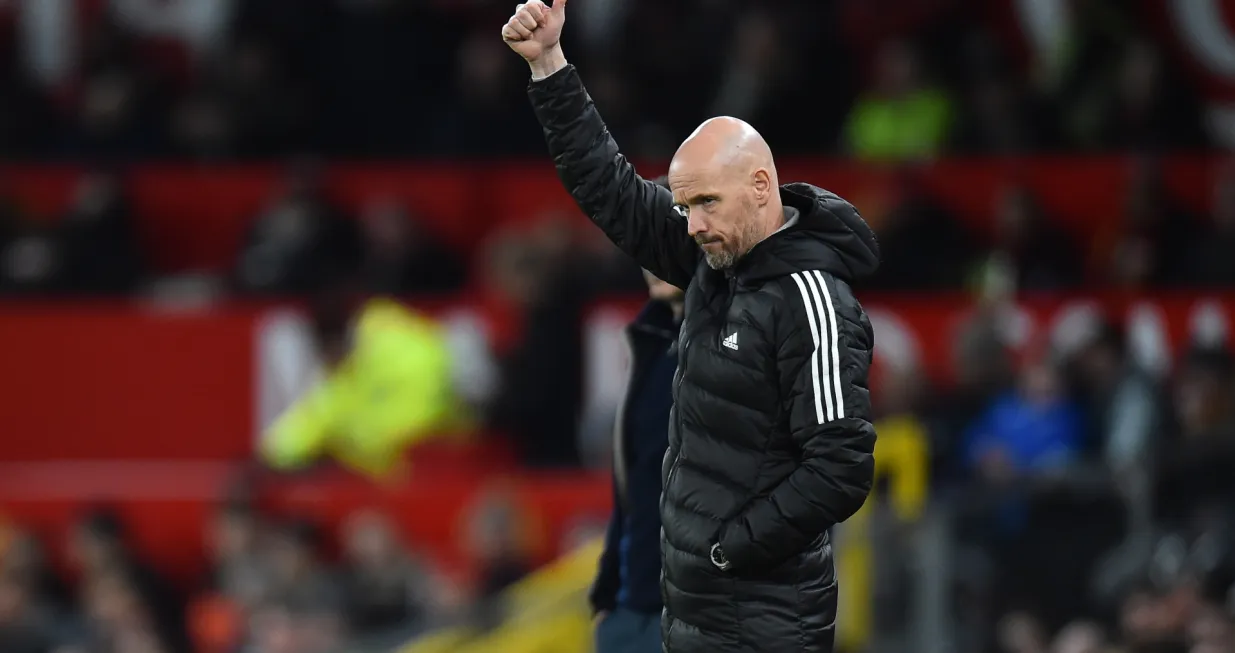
(725, 143)
(724, 177)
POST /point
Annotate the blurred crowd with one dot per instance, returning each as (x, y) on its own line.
(272, 585)
(303, 241)
(1092, 500)
(269, 78)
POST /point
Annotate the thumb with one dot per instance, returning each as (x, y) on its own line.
(559, 7)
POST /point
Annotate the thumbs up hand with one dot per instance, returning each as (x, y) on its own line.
(534, 32)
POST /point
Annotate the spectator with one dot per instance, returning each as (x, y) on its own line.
(1030, 251)
(1147, 109)
(923, 246)
(118, 101)
(1033, 431)
(298, 576)
(27, 118)
(1002, 115)
(901, 116)
(761, 78)
(387, 588)
(43, 599)
(540, 275)
(119, 618)
(98, 548)
(1027, 440)
(97, 238)
(1149, 246)
(301, 241)
(486, 114)
(253, 107)
(234, 543)
(1125, 410)
(31, 258)
(21, 630)
(981, 369)
(1194, 466)
(1211, 263)
(403, 257)
(498, 538)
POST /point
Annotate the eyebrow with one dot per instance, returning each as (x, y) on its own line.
(699, 197)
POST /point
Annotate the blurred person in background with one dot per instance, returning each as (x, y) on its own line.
(1146, 108)
(117, 100)
(924, 246)
(1033, 430)
(539, 401)
(769, 54)
(626, 594)
(120, 618)
(1210, 262)
(31, 257)
(1148, 248)
(27, 116)
(22, 628)
(1030, 251)
(482, 115)
(403, 257)
(388, 384)
(387, 588)
(299, 576)
(1124, 402)
(1003, 114)
(902, 116)
(24, 559)
(757, 472)
(91, 250)
(499, 533)
(300, 242)
(239, 578)
(99, 244)
(98, 548)
(1028, 440)
(279, 627)
(1194, 467)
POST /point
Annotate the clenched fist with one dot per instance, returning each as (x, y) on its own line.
(534, 31)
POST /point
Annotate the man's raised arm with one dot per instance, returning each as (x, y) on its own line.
(635, 213)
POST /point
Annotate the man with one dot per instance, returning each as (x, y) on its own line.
(770, 440)
(626, 595)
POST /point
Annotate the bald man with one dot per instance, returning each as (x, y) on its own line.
(770, 439)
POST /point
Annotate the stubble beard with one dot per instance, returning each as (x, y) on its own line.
(722, 260)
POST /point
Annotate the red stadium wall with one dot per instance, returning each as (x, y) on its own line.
(195, 217)
(129, 383)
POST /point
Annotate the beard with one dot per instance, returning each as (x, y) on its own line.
(722, 260)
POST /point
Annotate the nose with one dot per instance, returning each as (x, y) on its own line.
(695, 226)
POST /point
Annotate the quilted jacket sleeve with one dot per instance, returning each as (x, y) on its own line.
(637, 214)
(823, 360)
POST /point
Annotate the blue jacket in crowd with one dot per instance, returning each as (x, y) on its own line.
(630, 565)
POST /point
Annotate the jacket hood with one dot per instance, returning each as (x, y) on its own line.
(829, 235)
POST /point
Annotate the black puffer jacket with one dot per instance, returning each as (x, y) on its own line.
(770, 443)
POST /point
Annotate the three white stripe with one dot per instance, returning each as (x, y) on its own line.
(825, 360)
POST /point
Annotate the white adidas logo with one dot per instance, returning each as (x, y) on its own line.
(731, 342)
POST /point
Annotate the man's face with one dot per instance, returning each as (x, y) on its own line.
(720, 211)
(661, 290)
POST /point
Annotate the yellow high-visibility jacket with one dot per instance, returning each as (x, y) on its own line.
(393, 389)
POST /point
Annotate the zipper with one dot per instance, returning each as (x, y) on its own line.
(684, 360)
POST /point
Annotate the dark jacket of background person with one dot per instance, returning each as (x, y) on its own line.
(630, 565)
(758, 461)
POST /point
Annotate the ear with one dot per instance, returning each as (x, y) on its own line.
(763, 186)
